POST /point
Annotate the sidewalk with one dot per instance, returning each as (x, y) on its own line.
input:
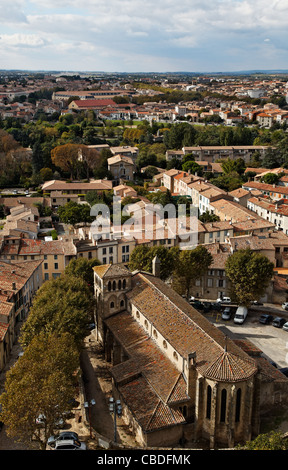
(97, 384)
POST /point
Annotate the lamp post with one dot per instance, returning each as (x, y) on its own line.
(88, 405)
(115, 408)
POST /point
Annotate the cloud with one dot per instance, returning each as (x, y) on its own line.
(191, 32)
(22, 40)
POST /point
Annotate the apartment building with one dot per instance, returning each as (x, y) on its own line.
(275, 212)
(19, 282)
(55, 255)
(213, 153)
(270, 190)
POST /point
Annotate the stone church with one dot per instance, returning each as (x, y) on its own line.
(179, 378)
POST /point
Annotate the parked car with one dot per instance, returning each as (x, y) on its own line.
(226, 314)
(265, 318)
(285, 305)
(278, 322)
(285, 326)
(284, 371)
(206, 307)
(40, 420)
(256, 302)
(70, 444)
(62, 436)
(198, 305)
(216, 306)
(240, 315)
(224, 300)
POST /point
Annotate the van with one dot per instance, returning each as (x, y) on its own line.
(240, 315)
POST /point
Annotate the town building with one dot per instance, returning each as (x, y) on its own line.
(19, 282)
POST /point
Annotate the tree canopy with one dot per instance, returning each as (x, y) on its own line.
(64, 305)
(142, 257)
(191, 265)
(74, 213)
(42, 382)
(249, 273)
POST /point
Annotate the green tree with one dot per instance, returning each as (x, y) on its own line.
(208, 217)
(63, 305)
(142, 257)
(270, 178)
(74, 213)
(249, 273)
(42, 382)
(191, 265)
(269, 441)
(193, 167)
(82, 268)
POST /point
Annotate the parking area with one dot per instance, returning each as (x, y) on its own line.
(272, 341)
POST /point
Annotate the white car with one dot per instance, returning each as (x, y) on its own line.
(224, 300)
(285, 305)
(70, 444)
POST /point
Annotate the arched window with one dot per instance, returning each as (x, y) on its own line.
(208, 402)
(238, 405)
(122, 303)
(119, 284)
(111, 304)
(124, 283)
(114, 285)
(223, 405)
(109, 286)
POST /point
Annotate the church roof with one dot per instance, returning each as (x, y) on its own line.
(110, 270)
(229, 368)
(189, 331)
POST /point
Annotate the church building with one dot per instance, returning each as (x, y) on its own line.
(179, 378)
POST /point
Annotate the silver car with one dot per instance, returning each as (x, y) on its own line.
(70, 444)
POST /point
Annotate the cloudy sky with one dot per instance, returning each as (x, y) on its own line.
(144, 35)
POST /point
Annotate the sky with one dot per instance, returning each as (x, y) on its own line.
(144, 35)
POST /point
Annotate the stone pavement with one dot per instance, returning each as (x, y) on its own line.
(97, 385)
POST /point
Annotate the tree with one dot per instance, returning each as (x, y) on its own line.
(208, 217)
(64, 305)
(82, 268)
(66, 157)
(191, 265)
(249, 273)
(74, 213)
(270, 178)
(42, 382)
(194, 167)
(269, 441)
(142, 257)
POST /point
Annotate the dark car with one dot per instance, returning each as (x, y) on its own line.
(284, 371)
(216, 306)
(265, 318)
(278, 322)
(206, 307)
(198, 305)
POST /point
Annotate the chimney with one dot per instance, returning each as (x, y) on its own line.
(156, 266)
